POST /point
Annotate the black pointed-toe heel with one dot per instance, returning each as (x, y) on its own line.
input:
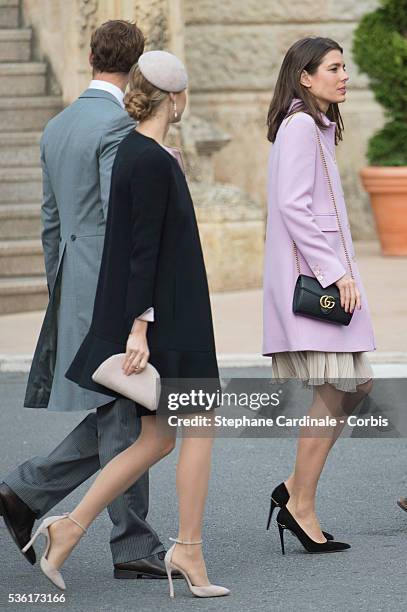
(279, 499)
(285, 520)
(273, 504)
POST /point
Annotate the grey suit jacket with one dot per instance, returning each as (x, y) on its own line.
(78, 147)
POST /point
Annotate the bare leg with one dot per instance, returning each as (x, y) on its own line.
(312, 453)
(115, 478)
(349, 403)
(193, 473)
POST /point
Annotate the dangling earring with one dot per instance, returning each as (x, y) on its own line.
(175, 111)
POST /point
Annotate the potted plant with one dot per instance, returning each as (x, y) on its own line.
(380, 51)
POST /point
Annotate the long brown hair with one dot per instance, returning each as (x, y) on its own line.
(305, 54)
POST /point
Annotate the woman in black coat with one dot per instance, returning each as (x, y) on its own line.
(152, 270)
(152, 258)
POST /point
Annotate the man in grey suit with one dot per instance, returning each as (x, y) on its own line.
(77, 152)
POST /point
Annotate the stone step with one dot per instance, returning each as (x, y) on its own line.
(18, 221)
(9, 13)
(15, 45)
(23, 79)
(23, 294)
(20, 148)
(20, 185)
(30, 113)
(21, 258)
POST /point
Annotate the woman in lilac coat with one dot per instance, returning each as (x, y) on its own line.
(329, 357)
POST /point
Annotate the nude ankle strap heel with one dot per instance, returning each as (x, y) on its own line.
(211, 590)
(67, 515)
(177, 541)
(50, 572)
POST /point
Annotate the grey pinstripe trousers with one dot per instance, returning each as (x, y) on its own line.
(42, 482)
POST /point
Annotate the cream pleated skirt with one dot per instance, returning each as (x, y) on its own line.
(342, 370)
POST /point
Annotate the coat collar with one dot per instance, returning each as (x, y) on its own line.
(297, 102)
(99, 93)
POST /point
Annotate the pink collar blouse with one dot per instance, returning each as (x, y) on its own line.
(175, 153)
(300, 208)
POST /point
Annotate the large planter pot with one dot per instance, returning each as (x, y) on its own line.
(387, 186)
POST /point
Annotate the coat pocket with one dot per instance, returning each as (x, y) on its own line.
(327, 223)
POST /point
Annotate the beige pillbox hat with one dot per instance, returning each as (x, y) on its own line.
(164, 70)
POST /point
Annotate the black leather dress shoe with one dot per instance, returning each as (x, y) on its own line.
(19, 519)
(150, 567)
(403, 503)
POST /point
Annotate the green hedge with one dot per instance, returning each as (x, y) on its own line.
(380, 50)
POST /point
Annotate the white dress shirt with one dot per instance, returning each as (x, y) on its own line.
(110, 87)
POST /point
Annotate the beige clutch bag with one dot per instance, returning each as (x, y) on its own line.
(143, 388)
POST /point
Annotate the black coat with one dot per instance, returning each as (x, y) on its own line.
(152, 256)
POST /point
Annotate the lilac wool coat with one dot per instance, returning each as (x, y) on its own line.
(300, 208)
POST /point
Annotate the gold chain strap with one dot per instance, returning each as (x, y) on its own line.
(336, 211)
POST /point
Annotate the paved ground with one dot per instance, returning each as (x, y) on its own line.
(357, 503)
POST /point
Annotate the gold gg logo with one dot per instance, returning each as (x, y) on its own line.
(326, 302)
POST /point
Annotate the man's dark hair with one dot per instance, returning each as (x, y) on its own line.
(116, 45)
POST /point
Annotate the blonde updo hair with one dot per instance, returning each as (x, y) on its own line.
(143, 98)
